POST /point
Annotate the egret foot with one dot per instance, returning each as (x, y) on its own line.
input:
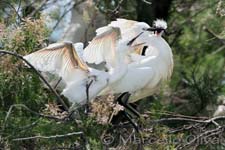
(88, 84)
(123, 100)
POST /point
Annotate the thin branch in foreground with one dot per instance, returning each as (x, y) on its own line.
(37, 9)
(65, 12)
(209, 133)
(147, 2)
(60, 100)
(14, 9)
(48, 137)
(205, 121)
(215, 35)
(31, 111)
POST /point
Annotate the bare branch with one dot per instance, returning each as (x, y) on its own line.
(214, 35)
(208, 133)
(147, 2)
(67, 11)
(37, 9)
(204, 121)
(31, 111)
(179, 119)
(48, 137)
(14, 9)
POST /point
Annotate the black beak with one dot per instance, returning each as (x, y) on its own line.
(156, 30)
(132, 40)
(150, 29)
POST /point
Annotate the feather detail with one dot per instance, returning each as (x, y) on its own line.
(103, 47)
(159, 23)
(59, 58)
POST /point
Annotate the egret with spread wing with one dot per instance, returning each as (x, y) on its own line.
(63, 60)
(149, 66)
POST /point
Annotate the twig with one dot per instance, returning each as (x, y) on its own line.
(48, 137)
(207, 134)
(19, 5)
(31, 111)
(38, 8)
(65, 12)
(14, 9)
(29, 125)
(167, 113)
(56, 85)
(116, 10)
(147, 2)
(178, 119)
(60, 100)
(215, 35)
(179, 28)
(211, 120)
(218, 50)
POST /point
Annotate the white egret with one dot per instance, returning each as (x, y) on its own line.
(150, 67)
(63, 60)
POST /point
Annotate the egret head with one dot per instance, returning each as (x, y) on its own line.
(158, 28)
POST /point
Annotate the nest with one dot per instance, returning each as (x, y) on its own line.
(103, 108)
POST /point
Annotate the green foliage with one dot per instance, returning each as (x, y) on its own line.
(197, 81)
(199, 56)
(27, 37)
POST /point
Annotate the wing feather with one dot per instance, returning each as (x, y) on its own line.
(59, 58)
(102, 48)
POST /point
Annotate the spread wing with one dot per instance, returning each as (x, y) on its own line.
(103, 47)
(60, 59)
(124, 25)
(129, 28)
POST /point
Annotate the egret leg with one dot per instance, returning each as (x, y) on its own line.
(127, 116)
(88, 84)
(56, 85)
(123, 100)
(132, 40)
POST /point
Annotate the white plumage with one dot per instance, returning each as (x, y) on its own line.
(160, 24)
(145, 73)
(62, 59)
(138, 68)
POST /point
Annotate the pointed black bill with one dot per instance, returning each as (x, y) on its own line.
(132, 40)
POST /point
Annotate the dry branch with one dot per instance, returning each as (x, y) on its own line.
(215, 35)
(31, 111)
(67, 11)
(48, 137)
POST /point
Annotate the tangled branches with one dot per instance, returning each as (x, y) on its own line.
(199, 131)
(182, 132)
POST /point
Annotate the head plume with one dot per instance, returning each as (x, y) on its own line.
(160, 24)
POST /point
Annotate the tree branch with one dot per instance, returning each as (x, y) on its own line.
(67, 11)
(37, 9)
(48, 137)
(14, 9)
(31, 111)
(214, 35)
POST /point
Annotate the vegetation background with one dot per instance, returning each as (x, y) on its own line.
(196, 34)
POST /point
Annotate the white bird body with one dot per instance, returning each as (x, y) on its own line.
(145, 73)
(129, 29)
(63, 60)
(161, 63)
(127, 71)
